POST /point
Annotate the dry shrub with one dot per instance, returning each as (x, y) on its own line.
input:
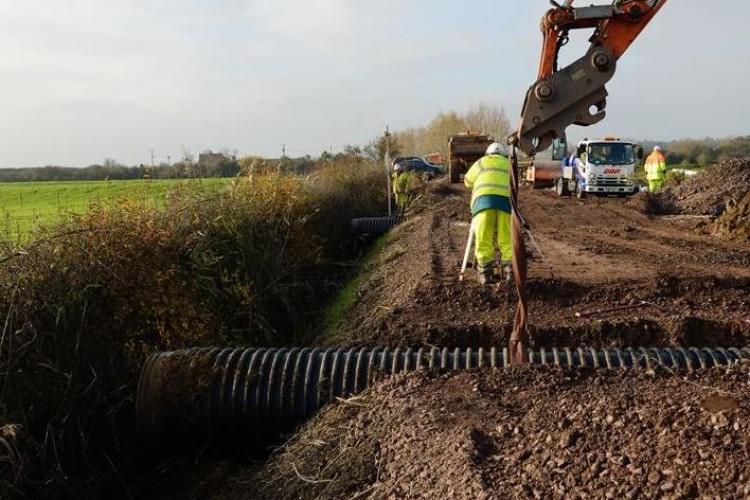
(347, 189)
(323, 460)
(84, 305)
(652, 203)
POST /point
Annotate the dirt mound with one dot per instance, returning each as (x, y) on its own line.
(707, 192)
(734, 223)
(484, 435)
(652, 204)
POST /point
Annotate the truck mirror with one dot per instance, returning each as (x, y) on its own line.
(639, 152)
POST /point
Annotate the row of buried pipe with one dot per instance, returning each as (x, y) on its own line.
(236, 390)
(373, 227)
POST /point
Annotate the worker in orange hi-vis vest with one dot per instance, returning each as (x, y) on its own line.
(656, 170)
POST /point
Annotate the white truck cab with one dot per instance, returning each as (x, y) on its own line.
(602, 167)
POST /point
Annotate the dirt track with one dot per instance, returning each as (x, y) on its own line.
(537, 433)
(585, 254)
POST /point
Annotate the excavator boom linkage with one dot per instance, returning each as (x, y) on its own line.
(576, 94)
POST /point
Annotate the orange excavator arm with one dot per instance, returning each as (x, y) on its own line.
(572, 95)
(567, 96)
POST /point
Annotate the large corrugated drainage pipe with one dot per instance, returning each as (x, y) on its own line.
(373, 227)
(249, 389)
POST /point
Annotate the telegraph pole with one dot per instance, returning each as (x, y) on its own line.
(387, 168)
(280, 167)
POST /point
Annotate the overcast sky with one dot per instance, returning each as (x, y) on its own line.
(85, 80)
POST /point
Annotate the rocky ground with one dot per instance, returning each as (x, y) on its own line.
(525, 434)
(539, 433)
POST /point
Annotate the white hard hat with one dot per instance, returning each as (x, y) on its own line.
(398, 167)
(657, 148)
(496, 149)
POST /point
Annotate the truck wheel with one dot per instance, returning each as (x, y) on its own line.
(560, 187)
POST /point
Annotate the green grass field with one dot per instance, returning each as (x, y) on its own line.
(25, 206)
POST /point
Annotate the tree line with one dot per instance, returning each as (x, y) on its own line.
(702, 151)
(112, 170)
(433, 138)
(414, 141)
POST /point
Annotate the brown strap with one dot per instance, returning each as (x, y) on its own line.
(519, 336)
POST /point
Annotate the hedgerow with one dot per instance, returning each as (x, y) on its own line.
(84, 304)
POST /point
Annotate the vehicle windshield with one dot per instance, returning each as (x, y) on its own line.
(615, 153)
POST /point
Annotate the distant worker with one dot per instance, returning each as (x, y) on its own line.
(489, 181)
(598, 156)
(656, 170)
(399, 184)
(570, 161)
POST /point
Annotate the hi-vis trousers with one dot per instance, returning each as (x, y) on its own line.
(486, 224)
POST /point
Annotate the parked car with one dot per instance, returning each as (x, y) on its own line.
(416, 164)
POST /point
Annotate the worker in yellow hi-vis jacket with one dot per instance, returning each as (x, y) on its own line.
(489, 181)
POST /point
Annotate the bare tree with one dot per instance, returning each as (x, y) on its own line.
(411, 141)
(489, 120)
(439, 129)
(481, 118)
(110, 163)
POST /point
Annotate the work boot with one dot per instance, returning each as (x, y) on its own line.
(485, 274)
(483, 278)
(508, 271)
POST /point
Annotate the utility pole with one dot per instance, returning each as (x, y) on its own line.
(282, 160)
(387, 168)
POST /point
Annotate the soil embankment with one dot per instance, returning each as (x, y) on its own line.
(542, 432)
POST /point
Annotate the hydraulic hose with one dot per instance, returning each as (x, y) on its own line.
(252, 389)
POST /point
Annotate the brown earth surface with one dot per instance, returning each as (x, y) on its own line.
(534, 432)
(708, 192)
(586, 254)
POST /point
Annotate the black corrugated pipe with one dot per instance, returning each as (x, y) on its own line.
(265, 389)
(373, 227)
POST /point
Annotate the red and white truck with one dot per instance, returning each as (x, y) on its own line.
(600, 167)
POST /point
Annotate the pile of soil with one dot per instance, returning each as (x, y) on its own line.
(596, 434)
(707, 192)
(734, 223)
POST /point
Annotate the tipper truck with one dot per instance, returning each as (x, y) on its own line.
(463, 150)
